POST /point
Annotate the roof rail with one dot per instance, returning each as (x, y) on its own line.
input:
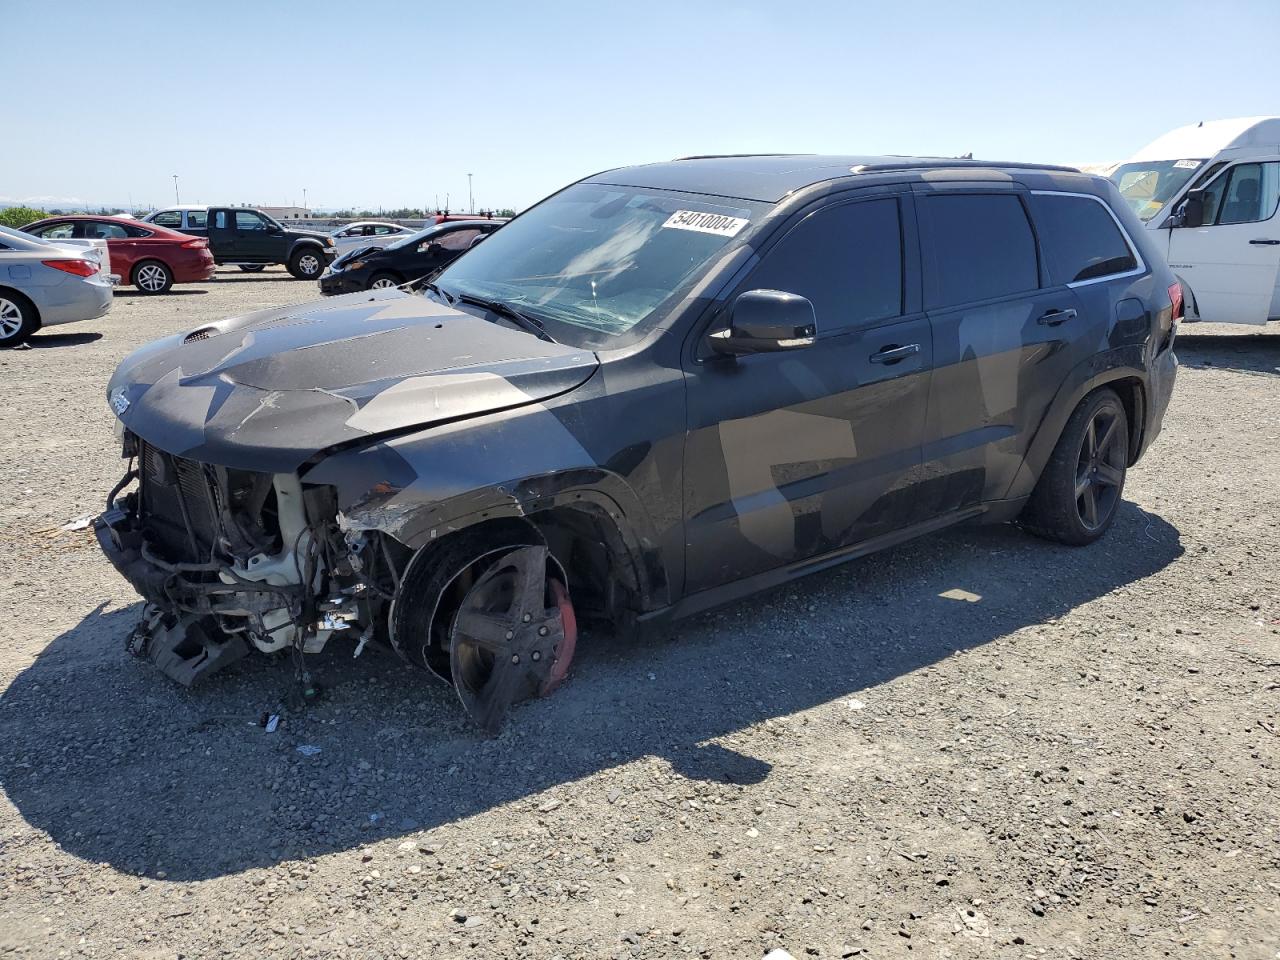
(912, 163)
(730, 156)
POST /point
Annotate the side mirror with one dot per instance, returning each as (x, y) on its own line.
(766, 321)
(431, 248)
(1191, 212)
(274, 228)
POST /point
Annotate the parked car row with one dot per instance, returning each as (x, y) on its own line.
(147, 256)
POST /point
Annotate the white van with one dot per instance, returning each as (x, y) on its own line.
(1213, 189)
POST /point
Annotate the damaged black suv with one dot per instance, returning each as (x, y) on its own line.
(662, 388)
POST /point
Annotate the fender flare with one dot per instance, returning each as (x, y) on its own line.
(304, 242)
(1125, 364)
(416, 520)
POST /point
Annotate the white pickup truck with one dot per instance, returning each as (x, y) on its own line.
(1213, 190)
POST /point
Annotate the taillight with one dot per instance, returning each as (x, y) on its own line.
(1175, 297)
(196, 243)
(81, 268)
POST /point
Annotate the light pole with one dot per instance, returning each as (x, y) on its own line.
(471, 199)
(175, 190)
(304, 203)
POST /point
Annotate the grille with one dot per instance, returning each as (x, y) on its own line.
(176, 506)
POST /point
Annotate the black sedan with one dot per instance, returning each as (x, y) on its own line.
(415, 256)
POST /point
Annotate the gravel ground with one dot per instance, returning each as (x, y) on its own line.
(1077, 758)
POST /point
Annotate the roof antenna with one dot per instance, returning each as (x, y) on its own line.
(1200, 124)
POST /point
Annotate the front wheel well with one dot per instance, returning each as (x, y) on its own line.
(603, 578)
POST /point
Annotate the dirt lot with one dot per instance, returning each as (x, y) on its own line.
(1081, 762)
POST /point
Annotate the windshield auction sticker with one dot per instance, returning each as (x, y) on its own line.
(1186, 164)
(700, 222)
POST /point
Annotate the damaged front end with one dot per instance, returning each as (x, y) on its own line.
(230, 560)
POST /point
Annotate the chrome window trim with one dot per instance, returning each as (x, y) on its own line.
(1138, 271)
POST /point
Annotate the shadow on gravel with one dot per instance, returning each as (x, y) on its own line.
(62, 339)
(121, 766)
(1251, 353)
(257, 278)
(172, 292)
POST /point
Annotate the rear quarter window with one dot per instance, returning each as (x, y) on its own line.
(978, 247)
(169, 218)
(1080, 238)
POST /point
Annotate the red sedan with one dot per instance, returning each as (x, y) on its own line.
(151, 258)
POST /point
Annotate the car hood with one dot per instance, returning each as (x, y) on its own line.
(350, 255)
(315, 234)
(269, 390)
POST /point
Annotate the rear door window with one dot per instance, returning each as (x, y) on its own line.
(168, 218)
(977, 247)
(457, 239)
(846, 259)
(95, 230)
(1080, 238)
(196, 219)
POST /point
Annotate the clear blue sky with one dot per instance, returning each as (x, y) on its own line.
(371, 103)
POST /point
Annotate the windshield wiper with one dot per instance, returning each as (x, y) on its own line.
(533, 325)
(428, 285)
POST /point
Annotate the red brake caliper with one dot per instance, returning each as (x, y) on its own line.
(564, 651)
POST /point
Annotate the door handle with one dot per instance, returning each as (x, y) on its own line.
(1055, 317)
(893, 354)
(1266, 243)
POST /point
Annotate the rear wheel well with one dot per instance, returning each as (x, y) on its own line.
(1133, 396)
(13, 294)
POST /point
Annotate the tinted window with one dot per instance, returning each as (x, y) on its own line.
(980, 247)
(57, 231)
(847, 260)
(93, 230)
(248, 220)
(457, 239)
(169, 218)
(1080, 239)
(1251, 194)
(196, 219)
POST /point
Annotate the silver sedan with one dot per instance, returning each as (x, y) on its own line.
(44, 283)
(368, 233)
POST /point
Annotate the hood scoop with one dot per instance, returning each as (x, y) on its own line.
(270, 390)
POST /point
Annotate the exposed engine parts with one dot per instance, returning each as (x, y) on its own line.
(230, 561)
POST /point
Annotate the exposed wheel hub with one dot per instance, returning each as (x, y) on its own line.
(512, 636)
